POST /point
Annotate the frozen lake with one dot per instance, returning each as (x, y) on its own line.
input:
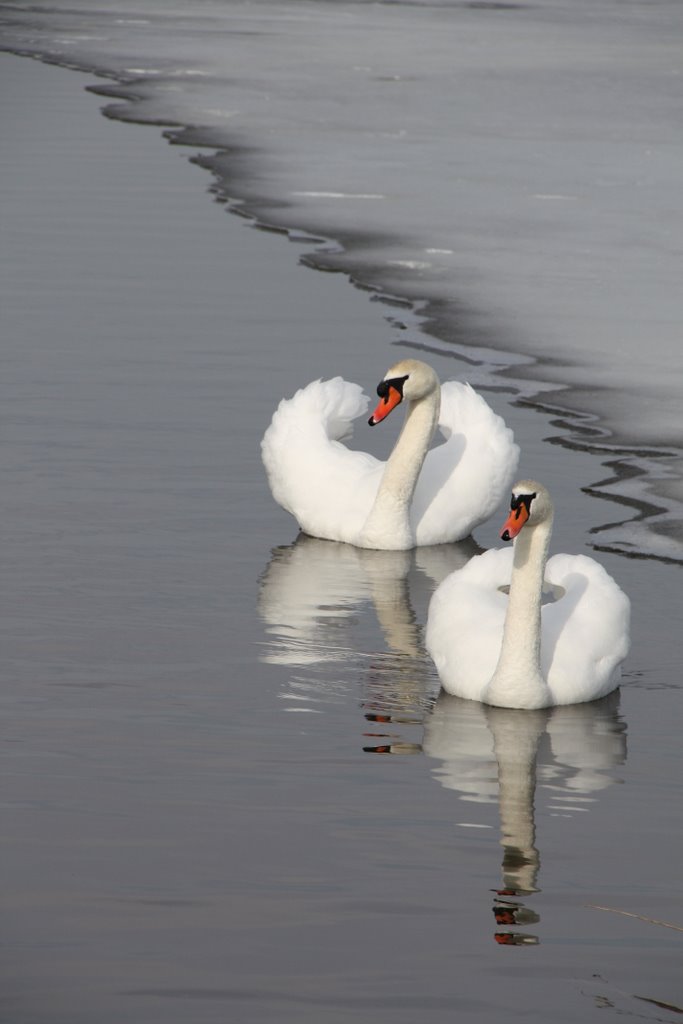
(232, 791)
(514, 170)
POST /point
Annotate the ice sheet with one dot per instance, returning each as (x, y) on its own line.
(514, 169)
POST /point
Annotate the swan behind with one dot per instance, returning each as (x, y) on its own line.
(418, 496)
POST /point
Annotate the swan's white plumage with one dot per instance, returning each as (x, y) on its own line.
(311, 473)
(463, 480)
(584, 632)
(330, 489)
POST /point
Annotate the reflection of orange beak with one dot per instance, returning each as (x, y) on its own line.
(385, 405)
(514, 522)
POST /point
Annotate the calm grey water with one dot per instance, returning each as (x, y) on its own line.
(231, 789)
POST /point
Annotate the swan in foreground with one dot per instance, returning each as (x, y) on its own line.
(417, 497)
(510, 651)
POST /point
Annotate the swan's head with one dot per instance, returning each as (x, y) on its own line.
(410, 379)
(530, 505)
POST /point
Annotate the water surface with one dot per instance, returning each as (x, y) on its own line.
(232, 790)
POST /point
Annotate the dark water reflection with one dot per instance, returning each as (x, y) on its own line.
(315, 598)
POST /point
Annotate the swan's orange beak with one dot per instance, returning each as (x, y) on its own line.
(514, 522)
(392, 398)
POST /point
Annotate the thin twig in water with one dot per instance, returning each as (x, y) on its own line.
(658, 1002)
(640, 917)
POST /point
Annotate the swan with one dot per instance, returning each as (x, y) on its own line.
(417, 497)
(511, 652)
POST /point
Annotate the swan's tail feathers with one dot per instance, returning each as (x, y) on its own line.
(296, 447)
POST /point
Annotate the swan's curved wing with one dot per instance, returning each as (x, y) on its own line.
(465, 623)
(326, 486)
(464, 479)
(585, 634)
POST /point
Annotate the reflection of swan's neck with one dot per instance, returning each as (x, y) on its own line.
(516, 747)
(517, 680)
(396, 617)
(390, 513)
(387, 573)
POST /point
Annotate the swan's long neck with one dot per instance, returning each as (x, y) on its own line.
(517, 680)
(389, 518)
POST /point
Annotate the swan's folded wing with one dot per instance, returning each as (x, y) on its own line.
(465, 623)
(463, 480)
(586, 634)
(327, 487)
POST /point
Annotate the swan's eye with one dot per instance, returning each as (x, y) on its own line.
(519, 501)
(396, 383)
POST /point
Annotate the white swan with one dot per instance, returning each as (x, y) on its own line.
(513, 652)
(417, 497)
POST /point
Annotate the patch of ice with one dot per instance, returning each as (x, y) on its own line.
(305, 711)
(340, 195)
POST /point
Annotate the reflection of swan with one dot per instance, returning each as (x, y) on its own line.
(312, 591)
(317, 600)
(415, 498)
(513, 653)
(489, 752)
